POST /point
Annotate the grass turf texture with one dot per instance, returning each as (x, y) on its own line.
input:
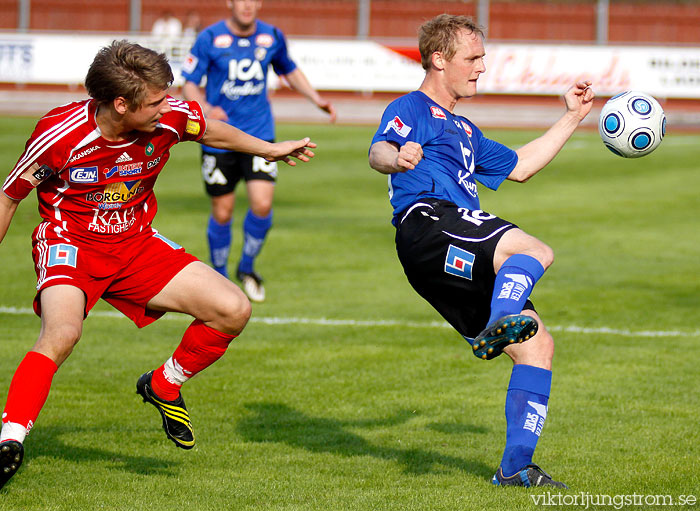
(311, 416)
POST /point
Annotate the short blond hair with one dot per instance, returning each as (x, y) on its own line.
(127, 70)
(440, 35)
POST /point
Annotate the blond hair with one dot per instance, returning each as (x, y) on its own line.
(440, 35)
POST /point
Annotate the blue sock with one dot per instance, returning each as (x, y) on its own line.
(255, 230)
(526, 410)
(219, 236)
(514, 283)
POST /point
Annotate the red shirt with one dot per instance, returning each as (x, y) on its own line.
(91, 188)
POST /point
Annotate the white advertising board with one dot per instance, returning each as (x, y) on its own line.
(350, 65)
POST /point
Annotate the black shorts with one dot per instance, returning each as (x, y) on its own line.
(222, 171)
(447, 254)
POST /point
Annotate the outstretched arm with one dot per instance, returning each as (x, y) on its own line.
(298, 81)
(7, 211)
(224, 136)
(389, 158)
(535, 155)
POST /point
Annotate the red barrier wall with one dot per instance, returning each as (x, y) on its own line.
(644, 22)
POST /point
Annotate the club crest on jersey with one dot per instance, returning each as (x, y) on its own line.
(128, 169)
(437, 113)
(398, 126)
(264, 40)
(83, 175)
(149, 149)
(223, 41)
(244, 43)
(467, 128)
(260, 53)
(459, 262)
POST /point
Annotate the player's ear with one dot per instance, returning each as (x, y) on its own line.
(438, 60)
(120, 105)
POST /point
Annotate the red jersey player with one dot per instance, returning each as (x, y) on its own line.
(93, 164)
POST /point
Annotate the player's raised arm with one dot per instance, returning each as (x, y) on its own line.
(224, 136)
(535, 155)
(7, 211)
(389, 158)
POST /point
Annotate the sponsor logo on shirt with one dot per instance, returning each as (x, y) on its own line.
(398, 126)
(83, 175)
(223, 41)
(83, 153)
(128, 169)
(467, 128)
(264, 40)
(120, 192)
(244, 43)
(112, 222)
(437, 113)
(153, 163)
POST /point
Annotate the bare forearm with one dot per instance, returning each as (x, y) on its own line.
(298, 81)
(224, 136)
(382, 158)
(7, 211)
(535, 155)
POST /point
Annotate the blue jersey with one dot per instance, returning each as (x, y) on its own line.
(236, 72)
(456, 154)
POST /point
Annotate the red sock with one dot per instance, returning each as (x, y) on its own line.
(29, 389)
(200, 347)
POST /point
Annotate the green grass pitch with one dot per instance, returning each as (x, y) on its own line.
(346, 391)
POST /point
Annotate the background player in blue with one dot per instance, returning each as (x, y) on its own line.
(476, 269)
(234, 55)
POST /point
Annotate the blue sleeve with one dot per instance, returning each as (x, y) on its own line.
(197, 62)
(400, 124)
(281, 61)
(494, 162)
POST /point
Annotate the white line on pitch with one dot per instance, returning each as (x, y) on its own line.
(382, 323)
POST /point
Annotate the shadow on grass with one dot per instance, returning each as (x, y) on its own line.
(47, 442)
(276, 422)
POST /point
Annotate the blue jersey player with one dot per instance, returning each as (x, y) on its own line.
(476, 269)
(234, 55)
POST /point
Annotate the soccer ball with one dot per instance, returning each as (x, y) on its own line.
(632, 124)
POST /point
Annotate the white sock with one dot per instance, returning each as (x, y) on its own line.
(174, 373)
(13, 431)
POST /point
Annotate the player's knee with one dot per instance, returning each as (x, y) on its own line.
(58, 342)
(261, 208)
(543, 253)
(234, 314)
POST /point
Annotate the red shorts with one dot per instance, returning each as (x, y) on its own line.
(126, 274)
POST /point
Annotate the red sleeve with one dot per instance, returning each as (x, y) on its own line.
(44, 154)
(186, 118)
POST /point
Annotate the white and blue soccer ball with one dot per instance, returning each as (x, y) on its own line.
(632, 124)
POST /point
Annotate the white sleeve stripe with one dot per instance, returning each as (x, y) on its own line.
(183, 110)
(45, 141)
(49, 137)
